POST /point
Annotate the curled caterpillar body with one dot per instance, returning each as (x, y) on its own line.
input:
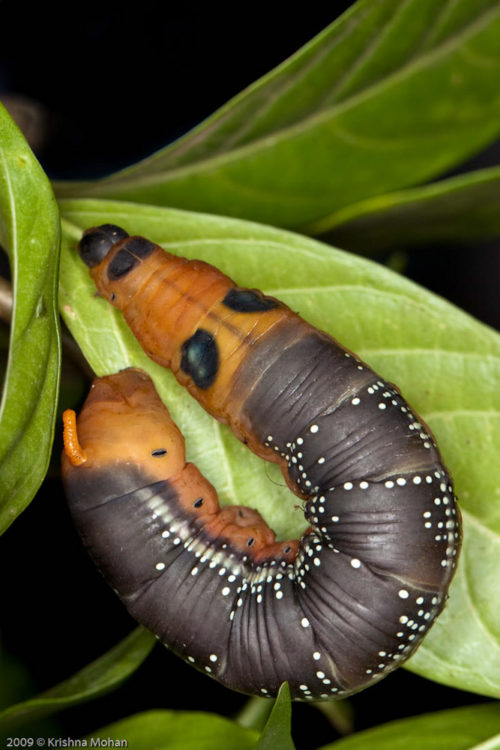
(352, 599)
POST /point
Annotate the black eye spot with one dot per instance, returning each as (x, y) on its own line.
(97, 241)
(140, 247)
(122, 264)
(113, 297)
(248, 300)
(198, 503)
(200, 358)
(286, 550)
(250, 542)
(159, 452)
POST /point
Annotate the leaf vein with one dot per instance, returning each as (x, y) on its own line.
(490, 636)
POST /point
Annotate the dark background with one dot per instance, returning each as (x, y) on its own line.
(120, 81)
(115, 82)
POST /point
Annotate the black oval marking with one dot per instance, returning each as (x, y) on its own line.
(122, 264)
(130, 255)
(248, 300)
(98, 241)
(198, 503)
(159, 452)
(140, 247)
(200, 358)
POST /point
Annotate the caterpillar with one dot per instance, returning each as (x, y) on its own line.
(332, 612)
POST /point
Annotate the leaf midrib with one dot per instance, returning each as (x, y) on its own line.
(480, 525)
(13, 261)
(476, 614)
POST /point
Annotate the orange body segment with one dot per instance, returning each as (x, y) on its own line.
(167, 299)
(123, 423)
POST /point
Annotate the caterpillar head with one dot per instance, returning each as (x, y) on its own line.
(111, 254)
(123, 422)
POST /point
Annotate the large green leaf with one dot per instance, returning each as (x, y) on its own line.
(29, 232)
(470, 728)
(277, 732)
(178, 730)
(447, 364)
(183, 730)
(102, 675)
(392, 93)
(456, 210)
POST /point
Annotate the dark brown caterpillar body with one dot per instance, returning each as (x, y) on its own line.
(353, 598)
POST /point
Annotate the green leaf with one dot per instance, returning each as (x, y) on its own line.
(461, 729)
(178, 730)
(277, 732)
(29, 232)
(392, 93)
(16, 683)
(102, 675)
(456, 210)
(255, 712)
(446, 363)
